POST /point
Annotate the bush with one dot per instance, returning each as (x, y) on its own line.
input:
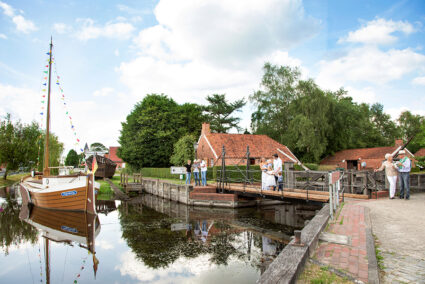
(312, 166)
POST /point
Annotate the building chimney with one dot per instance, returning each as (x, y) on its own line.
(205, 128)
(398, 142)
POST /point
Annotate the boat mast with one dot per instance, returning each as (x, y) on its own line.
(46, 170)
(47, 257)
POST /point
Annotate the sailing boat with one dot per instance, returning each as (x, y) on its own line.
(65, 192)
(66, 227)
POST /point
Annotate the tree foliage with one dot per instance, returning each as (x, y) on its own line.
(55, 152)
(18, 144)
(183, 150)
(72, 159)
(153, 127)
(219, 113)
(98, 147)
(314, 122)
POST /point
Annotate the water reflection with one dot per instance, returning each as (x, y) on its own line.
(14, 231)
(66, 227)
(145, 240)
(160, 231)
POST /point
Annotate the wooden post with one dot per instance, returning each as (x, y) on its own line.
(289, 175)
(247, 164)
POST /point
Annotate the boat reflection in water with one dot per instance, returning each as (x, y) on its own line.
(67, 227)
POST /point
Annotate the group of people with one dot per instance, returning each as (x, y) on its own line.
(197, 167)
(271, 176)
(400, 169)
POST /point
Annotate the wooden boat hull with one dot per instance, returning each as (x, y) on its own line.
(75, 193)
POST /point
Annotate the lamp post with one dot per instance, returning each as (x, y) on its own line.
(195, 146)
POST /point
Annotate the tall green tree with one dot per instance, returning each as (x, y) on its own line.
(183, 150)
(18, 144)
(412, 125)
(72, 159)
(278, 89)
(219, 113)
(97, 146)
(149, 133)
(55, 152)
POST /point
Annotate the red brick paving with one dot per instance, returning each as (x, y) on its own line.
(349, 258)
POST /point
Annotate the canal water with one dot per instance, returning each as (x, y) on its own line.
(145, 240)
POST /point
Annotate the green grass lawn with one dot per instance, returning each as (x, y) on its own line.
(11, 179)
(105, 188)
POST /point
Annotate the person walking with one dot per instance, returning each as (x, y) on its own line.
(404, 167)
(188, 167)
(277, 168)
(204, 173)
(196, 172)
(390, 172)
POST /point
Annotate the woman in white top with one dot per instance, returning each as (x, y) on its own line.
(204, 173)
(270, 180)
(391, 173)
(263, 168)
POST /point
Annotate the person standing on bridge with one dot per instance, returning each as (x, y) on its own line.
(390, 172)
(263, 166)
(404, 166)
(277, 168)
(196, 172)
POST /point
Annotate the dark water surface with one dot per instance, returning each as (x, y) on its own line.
(145, 240)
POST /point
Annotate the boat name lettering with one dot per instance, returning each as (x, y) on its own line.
(68, 193)
(69, 229)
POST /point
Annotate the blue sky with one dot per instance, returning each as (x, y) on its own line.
(110, 54)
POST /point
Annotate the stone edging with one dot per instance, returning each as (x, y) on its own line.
(290, 262)
(373, 275)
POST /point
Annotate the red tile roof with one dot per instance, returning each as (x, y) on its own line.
(259, 145)
(113, 155)
(354, 154)
(420, 153)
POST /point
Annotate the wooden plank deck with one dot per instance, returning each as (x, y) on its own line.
(313, 195)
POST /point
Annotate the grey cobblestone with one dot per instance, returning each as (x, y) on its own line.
(399, 228)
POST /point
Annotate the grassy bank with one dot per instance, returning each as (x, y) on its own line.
(11, 179)
(105, 188)
(316, 274)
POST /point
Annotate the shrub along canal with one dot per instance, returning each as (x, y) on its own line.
(145, 240)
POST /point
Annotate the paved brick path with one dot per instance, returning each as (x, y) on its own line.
(351, 258)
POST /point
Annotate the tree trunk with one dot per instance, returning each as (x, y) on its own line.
(5, 175)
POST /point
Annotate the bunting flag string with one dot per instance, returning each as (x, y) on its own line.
(66, 108)
(65, 105)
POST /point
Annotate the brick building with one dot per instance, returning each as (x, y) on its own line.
(420, 153)
(113, 156)
(364, 158)
(210, 147)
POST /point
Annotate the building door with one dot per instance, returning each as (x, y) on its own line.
(352, 164)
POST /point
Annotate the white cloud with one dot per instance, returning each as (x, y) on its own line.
(200, 48)
(7, 9)
(378, 31)
(226, 33)
(419, 81)
(61, 28)
(395, 112)
(3, 36)
(363, 95)
(369, 64)
(117, 30)
(103, 92)
(22, 24)
(117, 52)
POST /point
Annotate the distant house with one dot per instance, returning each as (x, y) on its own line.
(210, 147)
(113, 156)
(363, 158)
(420, 153)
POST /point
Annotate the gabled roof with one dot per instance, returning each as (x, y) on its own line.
(363, 153)
(259, 146)
(113, 154)
(420, 153)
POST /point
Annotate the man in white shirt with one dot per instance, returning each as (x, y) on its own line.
(277, 168)
(404, 167)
